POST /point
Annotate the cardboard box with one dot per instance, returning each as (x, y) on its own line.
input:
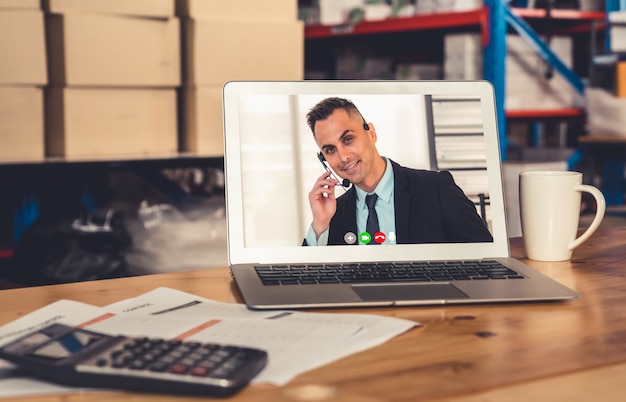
(102, 50)
(618, 38)
(140, 8)
(219, 51)
(463, 57)
(527, 86)
(336, 12)
(457, 5)
(25, 4)
(21, 123)
(22, 48)
(267, 10)
(110, 121)
(203, 127)
(363, 67)
(592, 5)
(419, 71)
(620, 80)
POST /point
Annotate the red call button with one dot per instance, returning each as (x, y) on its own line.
(379, 237)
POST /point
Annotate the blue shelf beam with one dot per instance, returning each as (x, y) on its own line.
(494, 64)
(494, 69)
(525, 31)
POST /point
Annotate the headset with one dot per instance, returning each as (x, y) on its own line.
(344, 183)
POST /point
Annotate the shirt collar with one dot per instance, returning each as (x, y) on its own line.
(384, 189)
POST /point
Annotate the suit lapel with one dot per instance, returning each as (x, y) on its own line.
(402, 201)
(345, 217)
(348, 212)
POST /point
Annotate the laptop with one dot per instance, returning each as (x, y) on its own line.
(271, 165)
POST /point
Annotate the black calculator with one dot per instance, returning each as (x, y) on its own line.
(78, 357)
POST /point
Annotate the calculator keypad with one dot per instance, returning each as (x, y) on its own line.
(173, 357)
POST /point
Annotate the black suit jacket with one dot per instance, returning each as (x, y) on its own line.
(429, 208)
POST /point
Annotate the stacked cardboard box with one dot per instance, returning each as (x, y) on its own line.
(114, 68)
(232, 40)
(358, 63)
(592, 5)
(418, 71)
(527, 84)
(22, 75)
(528, 80)
(463, 57)
(441, 6)
(620, 87)
(338, 12)
(617, 31)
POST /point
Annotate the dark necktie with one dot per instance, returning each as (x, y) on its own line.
(372, 219)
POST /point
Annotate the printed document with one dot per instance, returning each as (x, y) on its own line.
(296, 342)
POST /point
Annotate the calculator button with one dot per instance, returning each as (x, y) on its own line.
(199, 371)
(215, 359)
(159, 367)
(188, 362)
(167, 360)
(122, 360)
(183, 349)
(137, 365)
(150, 356)
(179, 369)
(209, 348)
(116, 353)
(196, 355)
(207, 364)
(176, 354)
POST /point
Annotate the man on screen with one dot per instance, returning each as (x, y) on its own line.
(387, 203)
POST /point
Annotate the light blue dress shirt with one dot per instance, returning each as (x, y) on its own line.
(385, 209)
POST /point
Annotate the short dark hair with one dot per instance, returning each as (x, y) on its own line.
(326, 107)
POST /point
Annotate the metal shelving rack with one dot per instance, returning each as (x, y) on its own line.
(493, 20)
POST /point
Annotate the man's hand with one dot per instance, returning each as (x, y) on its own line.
(323, 203)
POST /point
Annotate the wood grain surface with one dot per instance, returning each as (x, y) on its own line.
(552, 351)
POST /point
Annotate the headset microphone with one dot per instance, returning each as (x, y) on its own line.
(344, 183)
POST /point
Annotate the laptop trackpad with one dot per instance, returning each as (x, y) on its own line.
(438, 291)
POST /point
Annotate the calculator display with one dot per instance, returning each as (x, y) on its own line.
(54, 343)
(67, 345)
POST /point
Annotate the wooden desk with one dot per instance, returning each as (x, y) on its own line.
(574, 351)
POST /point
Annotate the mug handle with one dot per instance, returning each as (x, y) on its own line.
(601, 208)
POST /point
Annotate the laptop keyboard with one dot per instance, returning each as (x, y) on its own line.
(440, 271)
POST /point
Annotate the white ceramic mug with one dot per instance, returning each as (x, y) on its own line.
(550, 210)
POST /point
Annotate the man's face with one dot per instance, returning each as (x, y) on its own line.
(349, 148)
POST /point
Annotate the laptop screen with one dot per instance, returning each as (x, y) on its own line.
(272, 165)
